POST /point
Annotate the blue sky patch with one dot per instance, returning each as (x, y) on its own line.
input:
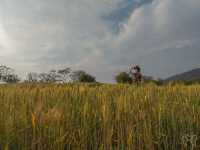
(123, 12)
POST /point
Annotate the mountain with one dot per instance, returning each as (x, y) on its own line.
(186, 76)
(169, 62)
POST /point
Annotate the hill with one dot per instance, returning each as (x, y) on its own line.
(186, 76)
(170, 62)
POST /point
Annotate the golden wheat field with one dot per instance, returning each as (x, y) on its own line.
(99, 117)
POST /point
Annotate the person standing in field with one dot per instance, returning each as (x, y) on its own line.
(136, 74)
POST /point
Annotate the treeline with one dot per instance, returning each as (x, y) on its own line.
(61, 76)
(126, 78)
(7, 75)
(67, 75)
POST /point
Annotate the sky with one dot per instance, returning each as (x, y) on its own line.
(102, 37)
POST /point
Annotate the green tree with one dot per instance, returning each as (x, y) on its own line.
(123, 77)
(82, 76)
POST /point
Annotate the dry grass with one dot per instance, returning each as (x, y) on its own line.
(99, 117)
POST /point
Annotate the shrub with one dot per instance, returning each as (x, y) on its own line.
(123, 77)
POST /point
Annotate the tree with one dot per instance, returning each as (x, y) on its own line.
(82, 76)
(7, 75)
(4, 71)
(52, 76)
(32, 77)
(11, 78)
(43, 77)
(49, 77)
(64, 74)
(123, 77)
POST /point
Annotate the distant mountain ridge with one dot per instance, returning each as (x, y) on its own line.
(186, 76)
(169, 62)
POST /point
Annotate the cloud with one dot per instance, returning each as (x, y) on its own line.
(159, 26)
(42, 34)
(47, 32)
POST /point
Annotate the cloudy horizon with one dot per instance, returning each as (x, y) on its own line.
(100, 36)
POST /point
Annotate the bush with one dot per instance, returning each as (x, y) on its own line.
(86, 78)
(123, 77)
(82, 76)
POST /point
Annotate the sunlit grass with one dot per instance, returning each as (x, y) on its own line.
(99, 117)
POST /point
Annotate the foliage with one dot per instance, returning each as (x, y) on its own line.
(82, 76)
(50, 77)
(7, 75)
(123, 77)
(32, 77)
(99, 117)
(64, 74)
(11, 78)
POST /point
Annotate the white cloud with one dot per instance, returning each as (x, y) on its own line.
(161, 23)
(42, 34)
